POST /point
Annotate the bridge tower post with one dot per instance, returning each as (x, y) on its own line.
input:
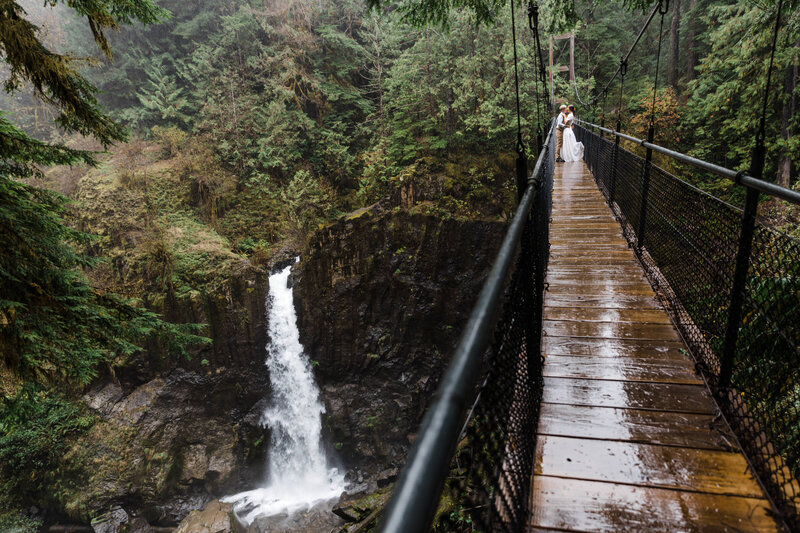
(562, 68)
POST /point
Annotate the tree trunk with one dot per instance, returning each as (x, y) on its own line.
(784, 174)
(431, 101)
(691, 53)
(674, 36)
(450, 115)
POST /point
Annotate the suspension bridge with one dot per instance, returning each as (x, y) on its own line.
(633, 360)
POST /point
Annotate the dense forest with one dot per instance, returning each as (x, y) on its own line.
(196, 135)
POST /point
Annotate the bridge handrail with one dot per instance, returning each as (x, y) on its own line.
(416, 495)
(737, 177)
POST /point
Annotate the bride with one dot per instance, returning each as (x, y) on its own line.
(571, 150)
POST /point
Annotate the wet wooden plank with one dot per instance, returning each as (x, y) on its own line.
(635, 425)
(565, 256)
(611, 347)
(610, 289)
(601, 314)
(611, 330)
(585, 214)
(593, 247)
(590, 258)
(598, 246)
(606, 507)
(590, 277)
(600, 223)
(585, 217)
(630, 273)
(647, 465)
(677, 398)
(597, 236)
(625, 271)
(618, 368)
(618, 301)
(596, 210)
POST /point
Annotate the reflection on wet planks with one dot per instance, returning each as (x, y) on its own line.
(594, 314)
(611, 330)
(629, 439)
(617, 369)
(611, 347)
(583, 505)
(636, 425)
(668, 467)
(627, 394)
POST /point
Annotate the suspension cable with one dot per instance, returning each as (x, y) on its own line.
(533, 23)
(623, 69)
(630, 51)
(763, 124)
(536, 92)
(662, 12)
(578, 96)
(603, 108)
(520, 146)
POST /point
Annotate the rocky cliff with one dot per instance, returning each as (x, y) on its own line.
(171, 433)
(382, 296)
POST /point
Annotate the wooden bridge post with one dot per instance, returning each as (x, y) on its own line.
(563, 68)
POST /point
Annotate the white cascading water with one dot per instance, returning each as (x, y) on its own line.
(299, 474)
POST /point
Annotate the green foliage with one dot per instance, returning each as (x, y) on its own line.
(54, 326)
(306, 202)
(171, 138)
(162, 101)
(437, 12)
(35, 426)
(11, 522)
(726, 98)
(22, 155)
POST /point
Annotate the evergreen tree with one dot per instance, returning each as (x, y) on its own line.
(55, 328)
(725, 100)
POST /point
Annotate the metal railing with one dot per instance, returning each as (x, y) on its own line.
(479, 435)
(733, 288)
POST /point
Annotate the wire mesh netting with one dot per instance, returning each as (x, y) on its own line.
(494, 461)
(690, 245)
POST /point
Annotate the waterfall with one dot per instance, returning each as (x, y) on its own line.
(298, 473)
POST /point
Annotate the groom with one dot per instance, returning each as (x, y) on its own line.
(560, 124)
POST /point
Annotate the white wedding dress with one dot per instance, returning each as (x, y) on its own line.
(571, 149)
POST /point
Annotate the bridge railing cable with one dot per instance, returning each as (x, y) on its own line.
(692, 241)
(624, 59)
(484, 463)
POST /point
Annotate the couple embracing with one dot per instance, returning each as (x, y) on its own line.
(567, 146)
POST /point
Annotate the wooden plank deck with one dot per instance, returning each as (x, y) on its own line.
(628, 439)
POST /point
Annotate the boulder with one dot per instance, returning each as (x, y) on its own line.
(114, 521)
(140, 525)
(315, 520)
(215, 518)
